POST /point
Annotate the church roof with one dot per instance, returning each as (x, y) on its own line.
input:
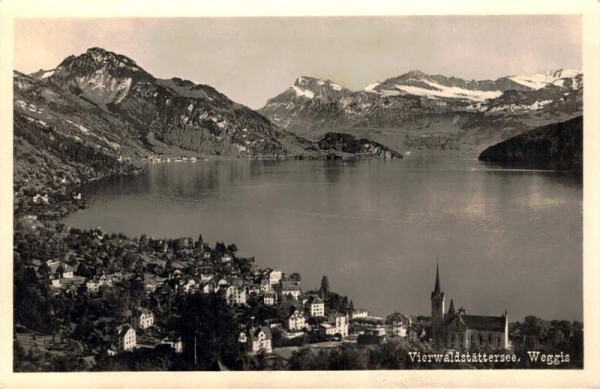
(481, 323)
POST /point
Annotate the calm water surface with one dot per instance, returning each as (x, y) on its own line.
(506, 239)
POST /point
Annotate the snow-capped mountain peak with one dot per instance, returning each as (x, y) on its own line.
(311, 87)
(561, 77)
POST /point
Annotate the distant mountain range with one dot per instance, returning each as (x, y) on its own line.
(93, 113)
(417, 110)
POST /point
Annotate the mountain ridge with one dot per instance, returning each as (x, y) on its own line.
(399, 112)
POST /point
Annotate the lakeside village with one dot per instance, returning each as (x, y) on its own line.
(87, 300)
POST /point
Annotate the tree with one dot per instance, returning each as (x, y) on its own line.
(43, 269)
(232, 248)
(295, 277)
(83, 270)
(210, 332)
(324, 290)
(60, 270)
(72, 261)
(347, 357)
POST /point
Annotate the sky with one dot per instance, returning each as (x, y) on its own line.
(253, 59)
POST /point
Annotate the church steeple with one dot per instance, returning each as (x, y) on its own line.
(437, 288)
(451, 310)
(437, 308)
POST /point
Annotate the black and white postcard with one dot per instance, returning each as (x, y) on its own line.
(263, 190)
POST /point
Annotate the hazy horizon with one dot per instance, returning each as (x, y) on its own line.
(253, 59)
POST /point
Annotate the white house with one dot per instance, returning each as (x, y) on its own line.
(358, 313)
(296, 322)
(398, 324)
(236, 293)
(265, 285)
(270, 298)
(327, 329)
(292, 291)
(340, 322)
(126, 337)
(226, 257)
(55, 280)
(68, 272)
(317, 307)
(144, 319)
(260, 340)
(275, 276)
(92, 285)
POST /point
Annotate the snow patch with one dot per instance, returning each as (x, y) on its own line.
(370, 88)
(303, 93)
(335, 86)
(452, 92)
(47, 74)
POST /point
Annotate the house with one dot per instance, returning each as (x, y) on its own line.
(63, 270)
(260, 340)
(207, 286)
(254, 289)
(126, 337)
(340, 322)
(317, 307)
(236, 293)
(296, 322)
(223, 282)
(270, 298)
(206, 255)
(265, 285)
(398, 324)
(188, 284)
(362, 324)
(457, 330)
(358, 313)
(39, 199)
(92, 285)
(275, 277)
(144, 318)
(327, 329)
(227, 258)
(55, 280)
(289, 283)
(291, 290)
(173, 340)
(243, 338)
(68, 272)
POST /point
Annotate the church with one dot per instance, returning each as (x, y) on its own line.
(457, 330)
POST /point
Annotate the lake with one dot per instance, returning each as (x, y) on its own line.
(505, 239)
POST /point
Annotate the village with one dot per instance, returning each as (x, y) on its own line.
(276, 316)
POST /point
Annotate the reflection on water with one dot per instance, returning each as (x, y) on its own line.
(506, 239)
